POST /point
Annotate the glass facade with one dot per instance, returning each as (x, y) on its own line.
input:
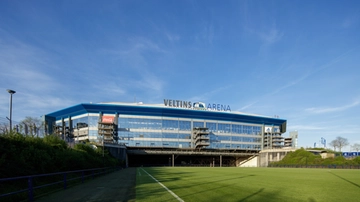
(165, 132)
(155, 125)
(176, 133)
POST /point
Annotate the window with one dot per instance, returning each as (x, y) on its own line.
(198, 124)
(211, 127)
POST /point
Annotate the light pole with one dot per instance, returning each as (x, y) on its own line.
(10, 110)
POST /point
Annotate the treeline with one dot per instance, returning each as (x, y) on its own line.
(24, 155)
(302, 157)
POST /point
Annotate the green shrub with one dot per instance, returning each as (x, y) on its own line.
(303, 157)
(24, 155)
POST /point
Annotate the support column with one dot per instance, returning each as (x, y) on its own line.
(63, 129)
(126, 160)
(220, 160)
(173, 160)
(267, 159)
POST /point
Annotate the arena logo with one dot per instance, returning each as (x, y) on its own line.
(218, 107)
(199, 106)
(177, 103)
(196, 105)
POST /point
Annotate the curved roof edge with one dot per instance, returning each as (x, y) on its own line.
(158, 110)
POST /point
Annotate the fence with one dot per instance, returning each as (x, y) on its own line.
(20, 188)
(317, 166)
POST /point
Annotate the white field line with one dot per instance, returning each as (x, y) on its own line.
(172, 193)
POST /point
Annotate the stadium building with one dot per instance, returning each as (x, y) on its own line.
(173, 133)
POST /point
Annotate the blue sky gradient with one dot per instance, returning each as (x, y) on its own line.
(298, 60)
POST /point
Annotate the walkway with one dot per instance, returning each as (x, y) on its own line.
(116, 186)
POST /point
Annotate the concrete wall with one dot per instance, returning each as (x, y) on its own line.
(272, 155)
(253, 162)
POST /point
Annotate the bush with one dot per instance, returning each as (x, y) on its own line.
(302, 157)
(24, 155)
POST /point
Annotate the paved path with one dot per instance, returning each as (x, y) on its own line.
(116, 186)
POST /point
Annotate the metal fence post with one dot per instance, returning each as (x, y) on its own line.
(31, 189)
(64, 180)
(82, 177)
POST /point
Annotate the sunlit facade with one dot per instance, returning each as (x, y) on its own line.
(138, 125)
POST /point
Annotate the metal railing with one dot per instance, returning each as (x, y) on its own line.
(333, 166)
(29, 184)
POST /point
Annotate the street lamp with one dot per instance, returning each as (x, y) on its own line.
(10, 110)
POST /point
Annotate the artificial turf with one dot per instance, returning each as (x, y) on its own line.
(248, 184)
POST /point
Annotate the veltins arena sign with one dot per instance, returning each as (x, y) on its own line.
(196, 105)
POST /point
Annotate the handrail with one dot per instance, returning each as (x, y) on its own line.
(30, 187)
(330, 166)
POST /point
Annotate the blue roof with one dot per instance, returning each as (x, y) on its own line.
(163, 111)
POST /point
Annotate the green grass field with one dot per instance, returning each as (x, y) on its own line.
(248, 184)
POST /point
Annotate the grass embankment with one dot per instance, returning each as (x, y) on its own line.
(248, 184)
(301, 157)
(24, 155)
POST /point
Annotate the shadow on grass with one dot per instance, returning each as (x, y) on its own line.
(185, 174)
(346, 180)
(312, 199)
(212, 189)
(215, 181)
(251, 195)
(174, 179)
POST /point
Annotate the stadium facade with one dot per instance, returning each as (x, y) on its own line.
(174, 127)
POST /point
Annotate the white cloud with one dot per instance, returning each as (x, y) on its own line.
(271, 36)
(207, 95)
(350, 21)
(268, 36)
(110, 88)
(23, 66)
(248, 106)
(332, 109)
(304, 127)
(172, 37)
(138, 75)
(207, 34)
(28, 70)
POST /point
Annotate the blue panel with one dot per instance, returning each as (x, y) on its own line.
(345, 154)
(165, 112)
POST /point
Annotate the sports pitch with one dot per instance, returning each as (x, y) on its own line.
(247, 184)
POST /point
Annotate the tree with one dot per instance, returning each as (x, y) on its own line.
(32, 124)
(339, 142)
(356, 147)
(3, 128)
(334, 144)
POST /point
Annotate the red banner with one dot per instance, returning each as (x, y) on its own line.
(108, 119)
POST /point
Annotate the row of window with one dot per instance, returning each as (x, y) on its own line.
(154, 135)
(188, 145)
(214, 138)
(179, 125)
(182, 130)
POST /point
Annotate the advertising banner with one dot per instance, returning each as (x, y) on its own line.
(108, 119)
(351, 154)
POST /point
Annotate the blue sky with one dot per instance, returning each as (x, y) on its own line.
(298, 60)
